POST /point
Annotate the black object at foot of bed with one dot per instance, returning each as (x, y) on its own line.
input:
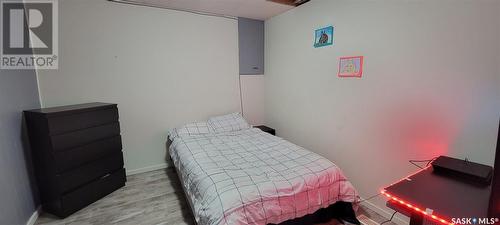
(341, 211)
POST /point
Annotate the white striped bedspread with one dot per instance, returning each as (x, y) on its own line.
(252, 177)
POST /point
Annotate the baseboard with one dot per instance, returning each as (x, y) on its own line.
(398, 219)
(147, 169)
(34, 216)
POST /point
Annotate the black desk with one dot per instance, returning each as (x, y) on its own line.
(437, 198)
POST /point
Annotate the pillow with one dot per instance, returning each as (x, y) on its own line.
(229, 122)
(191, 129)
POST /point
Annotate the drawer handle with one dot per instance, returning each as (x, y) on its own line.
(107, 175)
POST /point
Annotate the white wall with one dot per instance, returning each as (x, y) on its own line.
(163, 68)
(431, 84)
(253, 96)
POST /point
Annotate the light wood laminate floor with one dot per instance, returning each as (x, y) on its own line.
(147, 199)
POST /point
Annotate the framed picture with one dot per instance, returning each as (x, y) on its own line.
(351, 66)
(323, 37)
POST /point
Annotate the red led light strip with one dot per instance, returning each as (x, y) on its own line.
(413, 207)
(416, 209)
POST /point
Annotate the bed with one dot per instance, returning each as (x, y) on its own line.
(234, 174)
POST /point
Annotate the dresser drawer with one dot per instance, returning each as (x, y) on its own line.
(82, 137)
(66, 160)
(81, 197)
(88, 172)
(63, 124)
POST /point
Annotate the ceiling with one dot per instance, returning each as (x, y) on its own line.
(254, 9)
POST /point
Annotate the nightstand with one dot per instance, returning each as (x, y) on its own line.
(266, 129)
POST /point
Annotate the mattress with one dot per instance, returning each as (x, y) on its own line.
(252, 177)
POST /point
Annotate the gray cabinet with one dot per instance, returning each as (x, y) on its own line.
(251, 45)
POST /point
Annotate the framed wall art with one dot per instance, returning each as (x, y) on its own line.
(351, 66)
(324, 37)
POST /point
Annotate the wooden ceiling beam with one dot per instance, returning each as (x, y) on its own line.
(290, 2)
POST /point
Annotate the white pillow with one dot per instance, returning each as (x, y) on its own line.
(191, 129)
(229, 122)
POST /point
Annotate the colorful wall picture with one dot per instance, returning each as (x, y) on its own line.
(324, 37)
(351, 66)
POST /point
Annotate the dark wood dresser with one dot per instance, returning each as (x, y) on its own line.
(77, 153)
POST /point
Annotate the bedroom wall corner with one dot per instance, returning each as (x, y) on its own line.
(253, 96)
(163, 68)
(430, 84)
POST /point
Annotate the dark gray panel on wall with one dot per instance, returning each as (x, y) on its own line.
(18, 92)
(251, 44)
